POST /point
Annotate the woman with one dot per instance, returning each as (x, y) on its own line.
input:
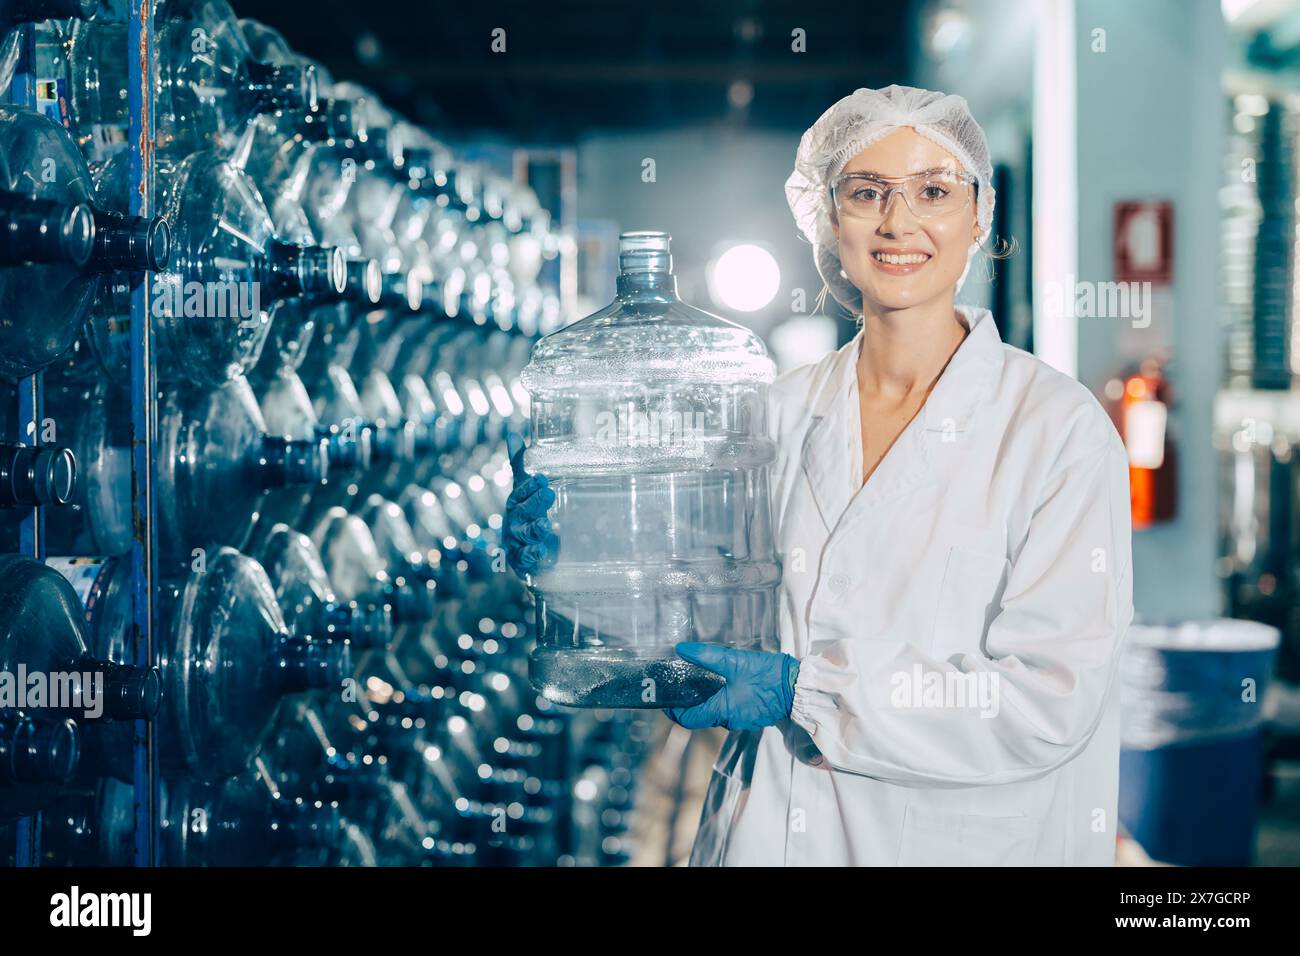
(953, 519)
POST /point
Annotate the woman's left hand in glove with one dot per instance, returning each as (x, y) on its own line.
(759, 689)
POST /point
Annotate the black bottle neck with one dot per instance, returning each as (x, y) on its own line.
(363, 281)
(297, 825)
(36, 475)
(291, 461)
(130, 692)
(304, 663)
(47, 751)
(130, 242)
(365, 625)
(413, 600)
(44, 231)
(401, 290)
(335, 119)
(393, 441)
(349, 448)
(290, 270)
(268, 88)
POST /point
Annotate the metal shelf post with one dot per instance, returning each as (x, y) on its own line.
(30, 410)
(144, 421)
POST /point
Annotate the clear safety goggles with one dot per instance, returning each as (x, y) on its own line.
(930, 194)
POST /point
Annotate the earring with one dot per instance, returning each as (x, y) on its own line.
(843, 274)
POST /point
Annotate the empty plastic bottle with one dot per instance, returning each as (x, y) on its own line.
(228, 659)
(208, 88)
(209, 84)
(36, 758)
(43, 650)
(403, 559)
(16, 16)
(33, 475)
(98, 517)
(41, 630)
(221, 459)
(212, 309)
(649, 419)
(246, 822)
(307, 599)
(359, 571)
(56, 248)
(218, 460)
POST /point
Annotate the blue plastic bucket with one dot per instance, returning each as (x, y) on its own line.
(1192, 702)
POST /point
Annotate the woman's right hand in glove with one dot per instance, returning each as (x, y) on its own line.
(529, 541)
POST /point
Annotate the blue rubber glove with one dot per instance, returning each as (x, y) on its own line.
(758, 693)
(529, 541)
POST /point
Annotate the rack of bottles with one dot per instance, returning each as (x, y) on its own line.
(1257, 413)
(262, 345)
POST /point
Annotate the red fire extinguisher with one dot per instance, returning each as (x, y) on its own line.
(1139, 406)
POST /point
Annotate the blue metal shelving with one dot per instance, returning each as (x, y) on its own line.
(144, 422)
(30, 399)
(139, 54)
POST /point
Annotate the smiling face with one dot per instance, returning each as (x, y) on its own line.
(902, 261)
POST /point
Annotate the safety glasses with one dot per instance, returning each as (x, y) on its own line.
(930, 194)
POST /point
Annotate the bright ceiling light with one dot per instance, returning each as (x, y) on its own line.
(949, 31)
(1235, 9)
(745, 278)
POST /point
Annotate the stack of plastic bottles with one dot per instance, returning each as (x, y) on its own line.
(341, 310)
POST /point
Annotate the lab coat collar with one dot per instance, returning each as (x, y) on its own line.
(832, 449)
(961, 388)
(969, 377)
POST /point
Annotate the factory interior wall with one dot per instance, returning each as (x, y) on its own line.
(713, 184)
(1150, 126)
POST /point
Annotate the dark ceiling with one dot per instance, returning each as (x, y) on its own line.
(574, 65)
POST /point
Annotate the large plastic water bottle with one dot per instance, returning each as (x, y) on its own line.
(649, 419)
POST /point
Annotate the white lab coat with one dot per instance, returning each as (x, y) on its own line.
(993, 541)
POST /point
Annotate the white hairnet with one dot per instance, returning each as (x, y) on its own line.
(849, 127)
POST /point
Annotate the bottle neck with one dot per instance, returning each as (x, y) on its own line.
(365, 625)
(349, 448)
(38, 752)
(130, 242)
(292, 270)
(305, 825)
(401, 290)
(304, 663)
(363, 281)
(130, 692)
(293, 461)
(392, 441)
(268, 88)
(41, 230)
(647, 286)
(411, 601)
(36, 475)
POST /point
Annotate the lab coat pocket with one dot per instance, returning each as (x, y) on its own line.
(940, 838)
(970, 597)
